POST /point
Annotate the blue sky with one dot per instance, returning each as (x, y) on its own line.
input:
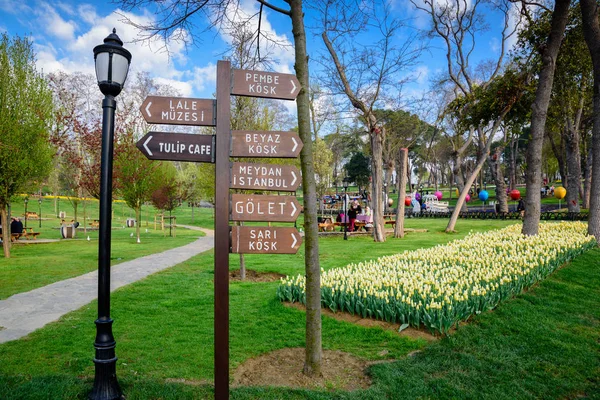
(64, 33)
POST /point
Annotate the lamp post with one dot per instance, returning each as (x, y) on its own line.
(40, 210)
(112, 64)
(26, 201)
(346, 220)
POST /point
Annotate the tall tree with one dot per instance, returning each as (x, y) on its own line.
(366, 73)
(549, 53)
(590, 12)
(458, 24)
(175, 20)
(25, 118)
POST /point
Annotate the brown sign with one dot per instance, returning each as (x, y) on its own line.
(179, 111)
(265, 240)
(264, 208)
(272, 85)
(285, 178)
(177, 147)
(265, 144)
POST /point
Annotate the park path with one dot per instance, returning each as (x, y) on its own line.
(23, 313)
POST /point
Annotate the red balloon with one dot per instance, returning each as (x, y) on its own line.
(407, 201)
(515, 194)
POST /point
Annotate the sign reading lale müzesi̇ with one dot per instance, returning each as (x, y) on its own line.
(179, 111)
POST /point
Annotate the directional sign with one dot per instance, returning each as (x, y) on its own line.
(179, 111)
(177, 147)
(285, 178)
(265, 240)
(265, 144)
(264, 208)
(272, 85)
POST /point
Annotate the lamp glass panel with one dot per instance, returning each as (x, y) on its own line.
(119, 69)
(102, 61)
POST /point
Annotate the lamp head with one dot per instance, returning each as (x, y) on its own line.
(112, 64)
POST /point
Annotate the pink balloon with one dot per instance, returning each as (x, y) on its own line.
(467, 198)
(439, 195)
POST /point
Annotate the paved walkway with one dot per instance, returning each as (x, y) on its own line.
(23, 313)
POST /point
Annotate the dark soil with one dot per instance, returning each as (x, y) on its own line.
(341, 371)
(254, 276)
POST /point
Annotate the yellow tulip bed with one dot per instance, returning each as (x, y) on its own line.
(440, 286)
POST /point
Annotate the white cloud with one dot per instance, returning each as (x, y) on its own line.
(421, 74)
(204, 78)
(53, 23)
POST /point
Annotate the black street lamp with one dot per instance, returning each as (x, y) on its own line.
(26, 201)
(346, 220)
(40, 210)
(112, 65)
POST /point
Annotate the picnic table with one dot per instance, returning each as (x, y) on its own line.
(27, 233)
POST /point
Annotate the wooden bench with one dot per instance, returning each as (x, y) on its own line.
(15, 236)
(95, 224)
(28, 233)
(31, 215)
(391, 222)
(326, 227)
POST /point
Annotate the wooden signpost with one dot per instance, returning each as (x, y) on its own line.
(177, 147)
(264, 208)
(265, 240)
(251, 176)
(265, 144)
(217, 149)
(178, 111)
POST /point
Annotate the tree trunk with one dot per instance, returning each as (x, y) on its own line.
(539, 107)
(377, 135)
(401, 178)
(587, 179)
(463, 193)
(138, 215)
(313, 351)
(574, 169)
(591, 32)
(459, 181)
(5, 231)
(498, 176)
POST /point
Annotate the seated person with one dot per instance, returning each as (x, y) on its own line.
(16, 226)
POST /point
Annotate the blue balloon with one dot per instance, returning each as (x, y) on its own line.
(483, 195)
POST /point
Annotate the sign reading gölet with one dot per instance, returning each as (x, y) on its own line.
(285, 178)
(179, 111)
(264, 208)
(265, 144)
(272, 85)
(177, 147)
(265, 240)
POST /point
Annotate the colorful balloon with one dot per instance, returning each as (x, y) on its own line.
(439, 195)
(560, 192)
(407, 201)
(483, 195)
(390, 202)
(467, 198)
(515, 194)
(418, 196)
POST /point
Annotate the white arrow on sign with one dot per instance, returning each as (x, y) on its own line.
(293, 86)
(294, 181)
(295, 144)
(148, 109)
(295, 241)
(146, 147)
(294, 207)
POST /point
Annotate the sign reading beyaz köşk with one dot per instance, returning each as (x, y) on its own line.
(177, 147)
(179, 111)
(265, 144)
(270, 208)
(285, 178)
(272, 85)
(265, 240)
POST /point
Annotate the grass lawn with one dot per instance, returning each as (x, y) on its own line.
(544, 343)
